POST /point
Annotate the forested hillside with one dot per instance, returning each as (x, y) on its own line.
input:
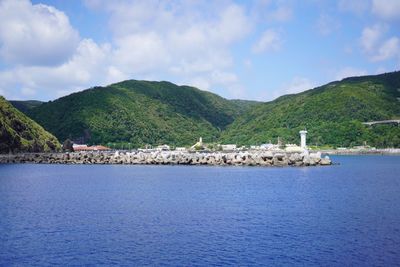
(18, 133)
(332, 114)
(140, 113)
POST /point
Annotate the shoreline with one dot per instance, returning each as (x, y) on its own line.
(264, 159)
(385, 151)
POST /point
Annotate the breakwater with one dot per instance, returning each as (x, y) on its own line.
(365, 151)
(266, 158)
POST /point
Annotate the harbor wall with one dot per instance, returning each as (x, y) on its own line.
(266, 158)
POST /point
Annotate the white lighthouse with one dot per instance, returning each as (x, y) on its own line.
(303, 135)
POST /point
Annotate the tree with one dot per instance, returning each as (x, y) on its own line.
(68, 146)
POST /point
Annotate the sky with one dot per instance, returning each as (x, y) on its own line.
(256, 50)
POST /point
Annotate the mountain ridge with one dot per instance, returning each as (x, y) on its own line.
(146, 112)
(138, 112)
(333, 114)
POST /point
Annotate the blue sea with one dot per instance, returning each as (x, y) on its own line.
(340, 215)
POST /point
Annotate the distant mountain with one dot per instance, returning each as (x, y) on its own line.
(332, 114)
(25, 105)
(139, 112)
(18, 133)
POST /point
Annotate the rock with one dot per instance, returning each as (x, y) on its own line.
(255, 158)
(325, 161)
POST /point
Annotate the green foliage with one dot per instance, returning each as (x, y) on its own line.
(132, 114)
(18, 133)
(25, 106)
(68, 146)
(140, 113)
(333, 114)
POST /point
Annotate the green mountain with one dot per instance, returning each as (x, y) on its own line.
(25, 105)
(18, 133)
(143, 112)
(332, 114)
(139, 112)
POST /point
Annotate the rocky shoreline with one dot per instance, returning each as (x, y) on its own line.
(173, 158)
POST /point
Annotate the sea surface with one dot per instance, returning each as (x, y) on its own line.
(340, 215)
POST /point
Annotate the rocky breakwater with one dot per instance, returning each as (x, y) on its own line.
(256, 158)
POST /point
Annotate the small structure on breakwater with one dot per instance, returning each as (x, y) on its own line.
(303, 138)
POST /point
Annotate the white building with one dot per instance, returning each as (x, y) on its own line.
(163, 147)
(228, 147)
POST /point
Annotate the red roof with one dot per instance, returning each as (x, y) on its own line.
(91, 148)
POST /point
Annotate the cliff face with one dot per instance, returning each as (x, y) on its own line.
(18, 133)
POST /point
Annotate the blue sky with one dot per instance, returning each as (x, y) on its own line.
(257, 49)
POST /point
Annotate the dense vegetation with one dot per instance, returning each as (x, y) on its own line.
(139, 112)
(25, 106)
(142, 112)
(332, 114)
(19, 133)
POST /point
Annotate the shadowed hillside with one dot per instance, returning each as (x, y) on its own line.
(25, 105)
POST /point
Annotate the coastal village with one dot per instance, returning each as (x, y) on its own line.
(201, 146)
(198, 154)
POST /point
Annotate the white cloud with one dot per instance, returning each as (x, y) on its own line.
(386, 9)
(138, 53)
(248, 63)
(35, 34)
(357, 7)
(349, 72)
(150, 40)
(327, 24)
(272, 11)
(184, 39)
(227, 79)
(371, 36)
(28, 92)
(281, 14)
(85, 69)
(270, 40)
(297, 85)
(389, 49)
(376, 46)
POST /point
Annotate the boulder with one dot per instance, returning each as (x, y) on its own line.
(325, 161)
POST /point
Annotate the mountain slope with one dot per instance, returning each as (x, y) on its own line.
(18, 133)
(331, 113)
(26, 105)
(139, 112)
